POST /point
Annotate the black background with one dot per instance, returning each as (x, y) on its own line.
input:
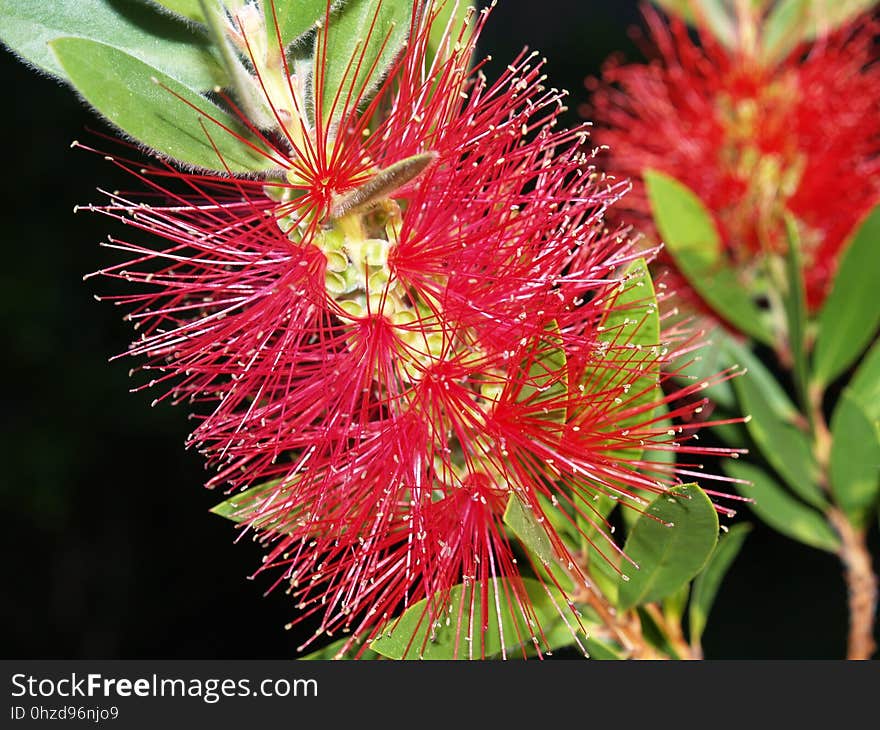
(109, 551)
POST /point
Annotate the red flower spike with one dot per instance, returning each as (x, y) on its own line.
(752, 140)
(381, 376)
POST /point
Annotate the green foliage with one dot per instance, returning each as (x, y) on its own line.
(475, 623)
(190, 9)
(140, 100)
(855, 459)
(295, 18)
(851, 313)
(178, 51)
(776, 507)
(631, 330)
(785, 446)
(693, 241)
(793, 21)
(334, 651)
(360, 44)
(865, 383)
(670, 543)
(454, 10)
(717, 15)
(707, 583)
(529, 530)
(796, 308)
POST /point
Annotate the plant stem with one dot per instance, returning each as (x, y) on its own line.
(861, 583)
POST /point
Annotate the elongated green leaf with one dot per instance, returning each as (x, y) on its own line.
(670, 543)
(628, 369)
(181, 52)
(546, 381)
(714, 14)
(355, 50)
(130, 94)
(455, 11)
(855, 459)
(295, 18)
(190, 9)
(772, 392)
(693, 242)
(794, 21)
(865, 384)
(335, 651)
(265, 506)
(710, 360)
(602, 650)
(528, 529)
(707, 583)
(786, 447)
(850, 316)
(474, 624)
(780, 510)
(796, 308)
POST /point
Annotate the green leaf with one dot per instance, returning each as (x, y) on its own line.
(796, 308)
(190, 9)
(476, 622)
(262, 505)
(707, 583)
(714, 13)
(602, 650)
(354, 52)
(181, 52)
(692, 240)
(780, 510)
(546, 380)
(670, 543)
(130, 94)
(295, 18)
(628, 369)
(849, 318)
(710, 360)
(855, 459)
(527, 528)
(865, 383)
(786, 447)
(794, 21)
(460, 8)
(334, 651)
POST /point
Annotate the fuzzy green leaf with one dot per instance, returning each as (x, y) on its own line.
(707, 583)
(786, 447)
(693, 241)
(190, 9)
(851, 313)
(295, 18)
(474, 624)
(181, 52)
(855, 459)
(785, 514)
(130, 94)
(670, 543)
(354, 52)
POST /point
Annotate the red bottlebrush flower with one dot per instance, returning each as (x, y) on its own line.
(753, 139)
(398, 332)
